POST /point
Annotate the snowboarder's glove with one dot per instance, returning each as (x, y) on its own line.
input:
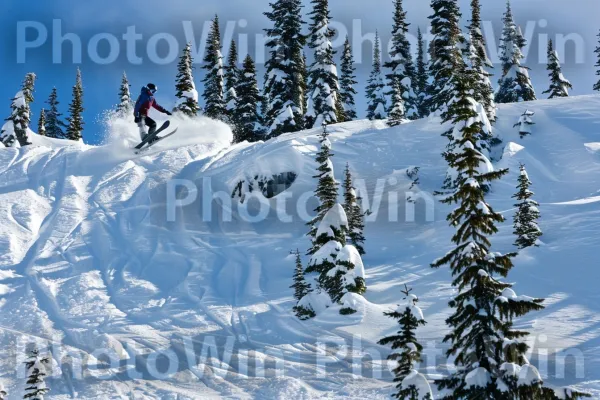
(169, 113)
(137, 119)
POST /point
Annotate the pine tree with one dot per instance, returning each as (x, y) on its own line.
(214, 85)
(444, 49)
(247, 119)
(525, 123)
(486, 347)
(323, 86)
(559, 85)
(484, 93)
(421, 80)
(42, 123)
(232, 76)
(327, 187)
(285, 78)
(354, 212)
(525, 220)
(20, 116)
(125, 106)
(75, 120)
(376, 88)
(347, 83)
(55, 127)
(597, 51)
(300, 286)
(408, 354)
(402, 71)
(36, 388)
(186, 93)
(514, 85)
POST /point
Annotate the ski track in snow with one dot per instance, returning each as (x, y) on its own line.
(96, 263)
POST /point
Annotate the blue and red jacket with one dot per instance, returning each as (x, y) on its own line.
(145, 102)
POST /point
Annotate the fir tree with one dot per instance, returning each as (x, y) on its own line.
(36, 388)
(232, 76)
(444, 50)
(301, 288)
(125, 106)
(408, 349)
(559, 85)
(421, 78)
(526, 227)
(347, 83)
(42, 123)
(75, 120)
(402, 71)
(285, 78)
(186, 93)
(354, 212)
(525, 123)
(214, 85)
(376, 88)
(327, 187)
(597, 51)
(514, 85)
(486, 347)
(55, 127)
(20, 116)
(323, 86)
(484, 93)
(247, 120)
(346, 279)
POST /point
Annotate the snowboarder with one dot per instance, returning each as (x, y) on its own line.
(144, 103)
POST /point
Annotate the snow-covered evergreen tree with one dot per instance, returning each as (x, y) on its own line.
(444, 49)
(421, 80)
(232, 76)
(377, 104)
(410, 383)
(55, 127)
(285, 78)
(402, 71)
(525, 221)
(514, 85)
(597, 51)
(488, 351)
(126, 104)
(75, 120)
(347, 83)
(14, 132)
(323, 85)
(186, 93)
(300, 286)
(354, 212)
(327, 188)
(214, 85)
(35, 387)
(480, 62)
(247, 119)
(525, 123)
(559, 85)
(42, 123)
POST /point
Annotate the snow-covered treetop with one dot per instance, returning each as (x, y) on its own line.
(335, 218)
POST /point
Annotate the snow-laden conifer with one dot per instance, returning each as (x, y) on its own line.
(377, 104)
(525, 220)
(559, 85)
(186, 93)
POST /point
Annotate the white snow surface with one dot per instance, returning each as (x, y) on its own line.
(89, 258)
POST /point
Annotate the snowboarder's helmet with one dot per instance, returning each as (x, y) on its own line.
(152, 87)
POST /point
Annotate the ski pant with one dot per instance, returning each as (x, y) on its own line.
(150, 123)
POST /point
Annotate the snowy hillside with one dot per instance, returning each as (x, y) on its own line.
(94, 256)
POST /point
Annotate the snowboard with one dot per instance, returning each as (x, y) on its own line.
(149, 138)
(154, 141)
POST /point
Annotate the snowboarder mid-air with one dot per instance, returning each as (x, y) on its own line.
(144, 103)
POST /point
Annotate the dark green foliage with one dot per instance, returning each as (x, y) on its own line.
(559, 85)
(377, 105)
(525, 220)
(246, 113)
(42, 123)
(35, 387)
(597, 51)
(55, 127)
(232, 77)
(214, 107)
(285, 78)
(125, 106)
(354, 212)
(20, 114)
(347, 83)
(421, 80)
(187, 97)
(402, 71)
(300, 286)
(75, 120)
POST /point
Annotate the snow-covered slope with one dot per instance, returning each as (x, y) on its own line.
(94, 256)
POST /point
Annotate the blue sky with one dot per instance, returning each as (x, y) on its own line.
(540, 18)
